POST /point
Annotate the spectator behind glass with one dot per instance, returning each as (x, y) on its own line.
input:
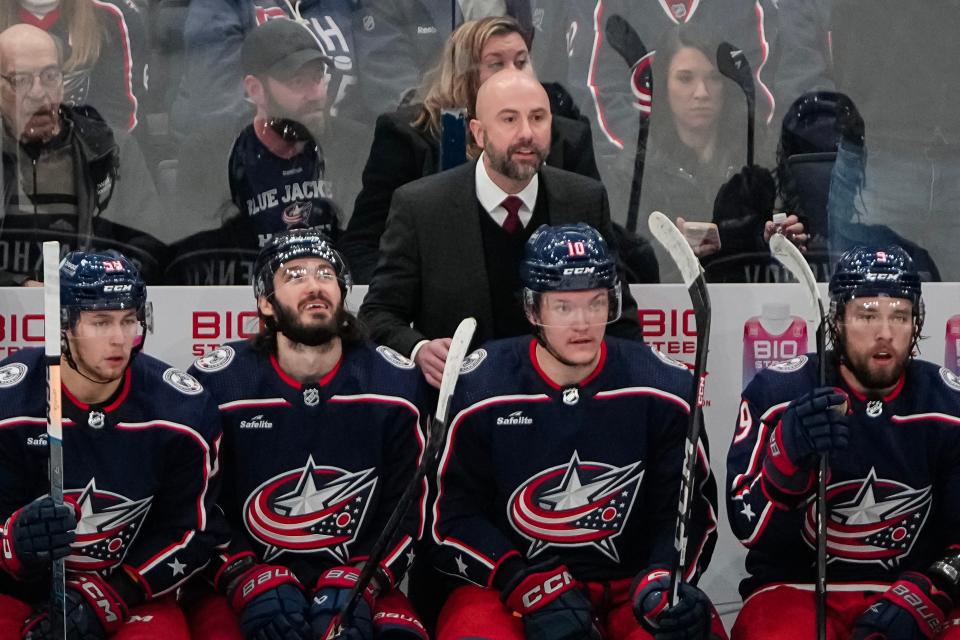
(696, 143)
(277, 167)
(62, 168)
(211, 107)
(406, 143)
(104, 51)
(899, 170)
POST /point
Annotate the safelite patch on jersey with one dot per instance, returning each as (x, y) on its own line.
(473, 361)
(182, 381)
(949, 377)
(216, 360)
(394, 358)
(11, 374)
(793, 364)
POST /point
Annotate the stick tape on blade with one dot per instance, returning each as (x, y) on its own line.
(673, 241)
(451, 369)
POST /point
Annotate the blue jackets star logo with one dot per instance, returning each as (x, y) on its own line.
(109, 522)
(575, 504)
(313, 509)
(871, 520)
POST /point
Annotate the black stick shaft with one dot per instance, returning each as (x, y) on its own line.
(821, 586)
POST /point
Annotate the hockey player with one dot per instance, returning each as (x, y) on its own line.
(140, 441)
(558, 486)
(322, 435)
(890, 424)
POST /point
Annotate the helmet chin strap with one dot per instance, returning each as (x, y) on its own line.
(68, 354)
(542, 341)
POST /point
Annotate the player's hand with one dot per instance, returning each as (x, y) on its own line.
(813, 424)
(38, 534)
(271, 604)
(431, 357)
(792, 229)
(688, 619)
(550, 604)
(93, 609)
(330, 595)
(912, 607)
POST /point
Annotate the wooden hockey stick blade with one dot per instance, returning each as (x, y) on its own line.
(792, 259)
(676, 245)
(457, 353)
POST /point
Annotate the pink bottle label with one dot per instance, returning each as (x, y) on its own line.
(952, 351)
(762, 348)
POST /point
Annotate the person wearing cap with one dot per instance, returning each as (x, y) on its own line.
(322, 434)
(139, 479)
(559, 484)
(889, 423)
(276, 166)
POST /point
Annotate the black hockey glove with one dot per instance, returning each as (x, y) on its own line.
(271, 604)
(912, 607)
(36, 535)
(330, 595)
(93, 609)
(689, 619)
(811, 425)
(551, 605)
(742, 206)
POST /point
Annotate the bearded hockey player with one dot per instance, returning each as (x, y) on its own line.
(322, 435)
(891, 424)
(558, 487)
(139, 447)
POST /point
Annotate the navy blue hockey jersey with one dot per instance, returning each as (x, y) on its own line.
(893, 496)
(588, 473)
(141, 467)
(312, 472)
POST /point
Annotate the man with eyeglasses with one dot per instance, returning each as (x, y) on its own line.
(140, 458)
(322, 434)
(558, 488)
(62, 167)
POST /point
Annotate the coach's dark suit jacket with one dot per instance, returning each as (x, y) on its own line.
(431, 271)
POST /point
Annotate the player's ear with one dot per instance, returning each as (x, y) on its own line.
(254, 88)
(264, 306)
(476, 130)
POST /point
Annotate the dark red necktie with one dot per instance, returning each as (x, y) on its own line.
(512, 223)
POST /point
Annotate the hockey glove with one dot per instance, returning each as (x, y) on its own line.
(813, 424)
(688, 619)
(330, 595)
(912, 607)
(551, 605)
(93, 611)
(38, 534)
(271, 604)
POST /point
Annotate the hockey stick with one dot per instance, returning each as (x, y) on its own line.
(51, 339)
(676, 245)
(625, 41)
(438, 433)
(790, 257)
(734, 65)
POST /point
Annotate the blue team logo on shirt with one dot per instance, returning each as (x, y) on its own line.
(109, 523)
(312, 509)
(871, 520)
(575, 505)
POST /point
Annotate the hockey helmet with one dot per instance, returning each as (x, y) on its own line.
(92, 281)
(571, 257)
(293, 244)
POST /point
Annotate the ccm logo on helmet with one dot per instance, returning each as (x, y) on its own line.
(552, 584)
(117, 288)
(578, 270)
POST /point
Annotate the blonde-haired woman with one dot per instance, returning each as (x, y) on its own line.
(406, 142)
(102, 48)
